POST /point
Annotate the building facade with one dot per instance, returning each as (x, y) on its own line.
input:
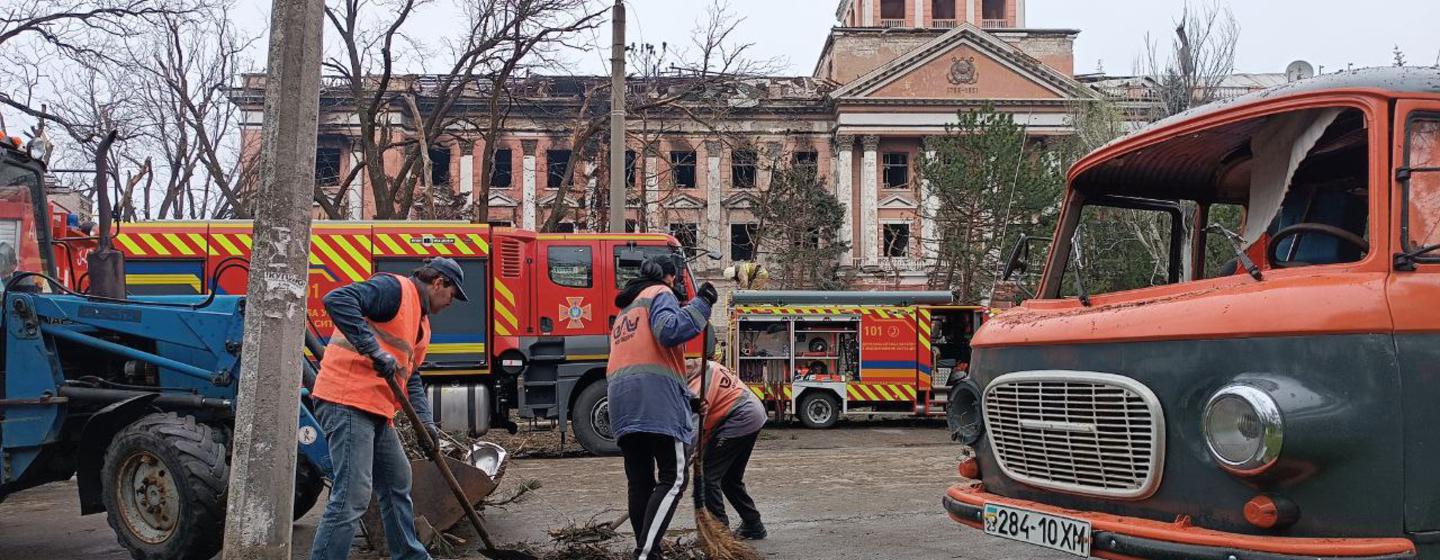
(891, 74)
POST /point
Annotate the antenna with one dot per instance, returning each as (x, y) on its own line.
(1299, 70)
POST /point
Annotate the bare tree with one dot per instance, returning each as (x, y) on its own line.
(1200, 58)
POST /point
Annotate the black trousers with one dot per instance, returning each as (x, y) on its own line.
(725, 462)
(653, 499)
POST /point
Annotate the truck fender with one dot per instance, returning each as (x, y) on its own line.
(95, 440)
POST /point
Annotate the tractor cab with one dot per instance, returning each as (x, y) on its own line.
(24, 240)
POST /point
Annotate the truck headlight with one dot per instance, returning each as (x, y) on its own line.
(1243, 428)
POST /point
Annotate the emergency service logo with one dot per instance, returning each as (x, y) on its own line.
(576, 311)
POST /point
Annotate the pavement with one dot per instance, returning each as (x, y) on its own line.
(864, 490)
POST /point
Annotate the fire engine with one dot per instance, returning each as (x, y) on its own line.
(823, 355)
(536, 343)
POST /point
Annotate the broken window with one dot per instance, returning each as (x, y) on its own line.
(440, 166)
(555, 163)
(892, 9)
(993, 9)
(1422, 189)
(807, 162)
(742, 168)
(943, 9)
(742, 241)
(682, 169)
(327, 166)
(500, 170)
(897, 170)
(687, 234)
(630, 167)
(897, 240)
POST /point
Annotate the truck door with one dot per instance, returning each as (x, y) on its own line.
(460, 334)
(570, 299)
(1414, 294)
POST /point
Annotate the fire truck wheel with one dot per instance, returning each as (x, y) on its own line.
(591, 416)
(819, 410)
(165, 478)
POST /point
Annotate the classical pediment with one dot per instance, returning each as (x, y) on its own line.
(501, 201)
(739, 200)
(569, 201)
(684, 202)
(898, 202)
(965, 63)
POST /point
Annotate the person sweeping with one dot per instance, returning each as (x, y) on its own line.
(382, 329)
(650, 402)
(733, 419)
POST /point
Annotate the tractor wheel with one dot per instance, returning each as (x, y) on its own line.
(591, 416)
(164, 480)
(819, 410)
(308, 486)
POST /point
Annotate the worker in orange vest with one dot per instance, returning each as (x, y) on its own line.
(733, 419)
(382, 329)
(649, 400)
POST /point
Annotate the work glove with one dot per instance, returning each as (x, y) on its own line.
(385, 365)
(707, 292)
(697, 404)
(434, 431)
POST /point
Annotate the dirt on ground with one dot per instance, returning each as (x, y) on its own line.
(864, 490)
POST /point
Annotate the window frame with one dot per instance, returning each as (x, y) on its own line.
(440, 166)
(677, 164)
(1404, 175)
(693, 234)
(750, 229)
(589, 254)
(885, 244)
(502, 156)
(747, 160)
(339, 163)
(555, 178)
(886, 166)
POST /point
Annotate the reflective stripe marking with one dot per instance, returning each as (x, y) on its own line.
(225, 242)
(509, 318)
(129, 244)
(179, 244)
(667, 505)
(200, 243)
(481, 243)
(245, 240)
(390, 244)
(504, 292)
(154, 244)
(335, 259)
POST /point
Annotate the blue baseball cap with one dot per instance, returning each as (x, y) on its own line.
(451, 270)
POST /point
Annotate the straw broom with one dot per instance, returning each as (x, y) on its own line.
(715, 539)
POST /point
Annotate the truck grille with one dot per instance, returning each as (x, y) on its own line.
(1080, 432)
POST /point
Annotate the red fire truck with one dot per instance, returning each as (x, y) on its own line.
(822, 355)
(536, 343)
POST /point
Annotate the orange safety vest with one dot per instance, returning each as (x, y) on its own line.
(725, 393)
(633, 348)
(348, 377)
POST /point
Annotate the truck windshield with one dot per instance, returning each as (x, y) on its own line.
(1292, 186)
(19, 249)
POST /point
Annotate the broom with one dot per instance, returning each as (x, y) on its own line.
(715, 539)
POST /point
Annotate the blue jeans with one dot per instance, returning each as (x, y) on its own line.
(361, 444)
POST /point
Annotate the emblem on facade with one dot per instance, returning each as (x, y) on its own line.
(576, 311)
(963, 72)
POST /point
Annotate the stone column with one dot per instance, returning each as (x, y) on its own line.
(714, 194)
(920, 13)
(929, 205)
(972, 12)
(355, 194)
(844, 173)
(867, 13)
(467, 167)
(527, 185)
(869, 200)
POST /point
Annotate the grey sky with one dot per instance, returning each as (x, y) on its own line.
(1329, 33)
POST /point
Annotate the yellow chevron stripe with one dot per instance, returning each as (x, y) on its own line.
(336, 260)
(229, 247)
(360, 260)
(481, 243)
(245, 239)
(460, 244)
(509, 317)
(910, 389)
(501, 330)
(443, 249)
(180, 244)
(154, 244)
(199, 241)
(504, 292)
(129, 244)
(390, 244)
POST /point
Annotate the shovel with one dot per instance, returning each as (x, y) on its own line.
(432, 448)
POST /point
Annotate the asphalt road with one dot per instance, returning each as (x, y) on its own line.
(868, 490)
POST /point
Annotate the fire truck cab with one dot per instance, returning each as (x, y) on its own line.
(535, 343)
(1272, 396)
(823, 355)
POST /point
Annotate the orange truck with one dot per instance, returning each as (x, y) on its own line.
(535, 343)
(823, 355)
(1272, 394)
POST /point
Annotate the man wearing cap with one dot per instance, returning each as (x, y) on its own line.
(649, 399)
(382, 329)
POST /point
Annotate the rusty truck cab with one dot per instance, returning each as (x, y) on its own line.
(1269, 387)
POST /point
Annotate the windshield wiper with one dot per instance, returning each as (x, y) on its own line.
(1075, 255)
(1406, 260)
(1240, 256)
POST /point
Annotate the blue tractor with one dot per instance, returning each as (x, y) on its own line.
(132, 397)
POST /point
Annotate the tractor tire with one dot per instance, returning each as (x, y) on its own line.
(818, 409)
(591, 417)
(308, 487)
(164, 482)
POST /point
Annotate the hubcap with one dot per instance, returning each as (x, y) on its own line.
(600, 418)
(819, 411)
(148, 498)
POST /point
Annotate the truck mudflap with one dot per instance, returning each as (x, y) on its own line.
(1124, 538)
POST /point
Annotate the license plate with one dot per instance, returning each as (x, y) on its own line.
(1053, 532)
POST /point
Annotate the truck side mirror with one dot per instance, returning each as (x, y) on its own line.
(1019, 261)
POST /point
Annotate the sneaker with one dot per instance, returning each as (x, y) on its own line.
(751, 532)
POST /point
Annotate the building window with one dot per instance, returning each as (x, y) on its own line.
(808, 162)
(327, 166)
(892, 10)
(742, 168)
(687, 234)
(897, 170)
(742, 242)
(500, 169)
(631, 226)
(682, 169)
(440, 166)
(943, 9)
(570, 267)
(555, 163)
(992, 9)
(897, 240)
(565, 227)
(500, 223)
(630, 167)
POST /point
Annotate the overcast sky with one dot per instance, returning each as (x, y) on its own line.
(1328, 33)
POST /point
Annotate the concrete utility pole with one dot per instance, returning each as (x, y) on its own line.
(262, 472)
(618, 186)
